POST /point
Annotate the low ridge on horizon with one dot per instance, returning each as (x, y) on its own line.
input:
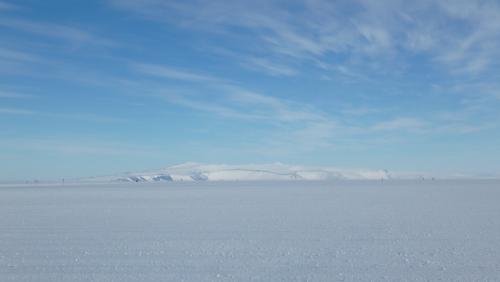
(276, 171)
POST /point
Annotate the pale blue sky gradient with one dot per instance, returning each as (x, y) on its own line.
(98, 87)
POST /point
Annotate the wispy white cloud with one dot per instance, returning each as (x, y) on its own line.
(14, 55)
(14, 95)
(476, 93)
(173, 73)
(298, 121)
(7, 6)
(237, 102)
(234, 101)
(21, 63)
(274, 69)
(361, 30)
(87, 117)
(304, 125)
(361, 111)
(399, 123)
(15, 111)
(277, 109)
(319, 134)
(76, 146)
(462, 128)
(57, 31)
(474, 46)
(211, 107)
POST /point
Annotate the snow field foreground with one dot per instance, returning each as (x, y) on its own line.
(252, 231)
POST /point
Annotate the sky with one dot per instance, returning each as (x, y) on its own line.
(99, 87)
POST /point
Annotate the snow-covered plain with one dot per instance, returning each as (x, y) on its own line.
(390, 230)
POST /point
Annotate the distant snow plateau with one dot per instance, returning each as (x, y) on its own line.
(262, 172)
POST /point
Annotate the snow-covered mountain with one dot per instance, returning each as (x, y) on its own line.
(268, 172)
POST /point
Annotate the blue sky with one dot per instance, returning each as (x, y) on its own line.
(98, 87)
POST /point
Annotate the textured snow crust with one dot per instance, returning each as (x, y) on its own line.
(252, 231)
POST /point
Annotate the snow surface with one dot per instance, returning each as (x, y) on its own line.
(252, 231)
(257, 172)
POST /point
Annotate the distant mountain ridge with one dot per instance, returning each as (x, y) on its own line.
(254, 172)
